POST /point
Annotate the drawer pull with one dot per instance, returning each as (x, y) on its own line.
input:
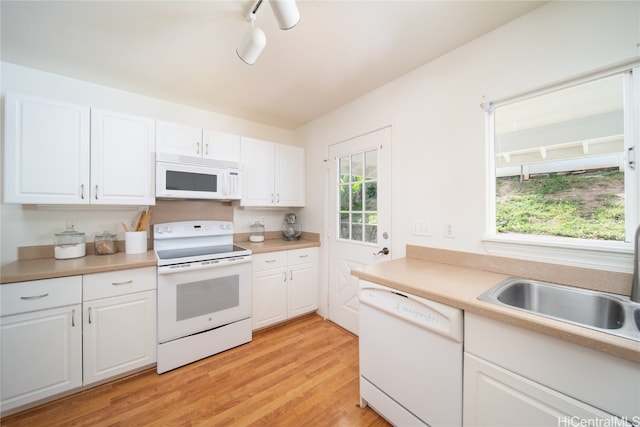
(35, 297)
(303, 256)
(128, 282)
(270, 261)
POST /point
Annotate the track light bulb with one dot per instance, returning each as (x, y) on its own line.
(286, 12)
(252, 45)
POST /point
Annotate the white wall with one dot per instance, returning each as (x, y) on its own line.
(30, 225)
(440, 127)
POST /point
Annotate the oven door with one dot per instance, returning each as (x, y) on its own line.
(194, 301)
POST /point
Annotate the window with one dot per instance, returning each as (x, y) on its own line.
(563, 163)
(358, 192)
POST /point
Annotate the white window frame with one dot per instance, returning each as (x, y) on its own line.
(604, 255)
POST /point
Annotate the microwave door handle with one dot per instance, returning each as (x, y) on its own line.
(225, 185)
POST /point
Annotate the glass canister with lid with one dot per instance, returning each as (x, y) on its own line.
(105, 244)
(257, 232)
(69, 244)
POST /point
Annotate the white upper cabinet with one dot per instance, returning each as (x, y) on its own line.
(289, 175)
(174, 138)
(272, 174)
(46, 151)
(221, 146)
(177, 139)
(60, 153)
(122, 161)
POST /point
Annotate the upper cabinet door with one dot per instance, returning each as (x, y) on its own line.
(221, 146)
(289, 176)
(178, 139)
(257, 173)
(122, 161)
(46, 152)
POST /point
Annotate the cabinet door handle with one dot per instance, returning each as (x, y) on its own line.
(89, 312)
(271, 198)
(96, 192)
(290, 274)
(285, 276)
(34, 297)
(73, 318)
(197, 147)
(206, 149)
(278, 201)
(128, 282)
(82, 191)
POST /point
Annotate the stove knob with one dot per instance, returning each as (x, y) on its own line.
(167, 229)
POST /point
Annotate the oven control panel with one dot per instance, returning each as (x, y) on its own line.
(171, 230)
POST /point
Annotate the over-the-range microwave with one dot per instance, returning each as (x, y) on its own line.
(185, 177)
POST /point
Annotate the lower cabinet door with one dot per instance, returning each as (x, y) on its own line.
(41, 354)
(269, 297)
(496, 397)
(119, 335)
(302, 289)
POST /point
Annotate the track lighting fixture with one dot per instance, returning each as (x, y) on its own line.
(286, 12)
(254, 41)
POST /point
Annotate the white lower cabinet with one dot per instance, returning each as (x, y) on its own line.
(515, 377)
(60, 334)
(498, 397)
(41, 340)
(284, 285)
(119, 315)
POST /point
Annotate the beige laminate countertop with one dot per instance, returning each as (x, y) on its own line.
(274, 245)
(47, 268)
(460, 287)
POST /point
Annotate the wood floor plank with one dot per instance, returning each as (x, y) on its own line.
(301, 373)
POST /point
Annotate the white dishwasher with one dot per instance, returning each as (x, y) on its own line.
(410, 358)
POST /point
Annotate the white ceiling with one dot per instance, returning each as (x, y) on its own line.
(184, 51)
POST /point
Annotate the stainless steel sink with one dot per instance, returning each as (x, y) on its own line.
(601, 311)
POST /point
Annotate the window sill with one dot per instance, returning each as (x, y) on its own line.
(612, 256)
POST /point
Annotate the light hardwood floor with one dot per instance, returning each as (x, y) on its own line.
(301, 373)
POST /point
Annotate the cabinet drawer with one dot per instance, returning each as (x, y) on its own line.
(35, 295)
(269, 260)
(302, 256)
(121, 282)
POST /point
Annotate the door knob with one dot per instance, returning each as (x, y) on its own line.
(383, 251)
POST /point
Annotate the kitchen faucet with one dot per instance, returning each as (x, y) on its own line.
(635, 286)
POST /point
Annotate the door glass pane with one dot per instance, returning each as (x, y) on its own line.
(357, 166)
(371, 196)
(344, 225)
(344, 197)
(371, 165)
(358, 193)
(356, 197)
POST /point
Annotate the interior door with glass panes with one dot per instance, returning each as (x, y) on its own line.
(360, 217)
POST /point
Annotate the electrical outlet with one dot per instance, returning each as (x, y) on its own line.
(449, 230)
(420, 228)
(71, 224)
